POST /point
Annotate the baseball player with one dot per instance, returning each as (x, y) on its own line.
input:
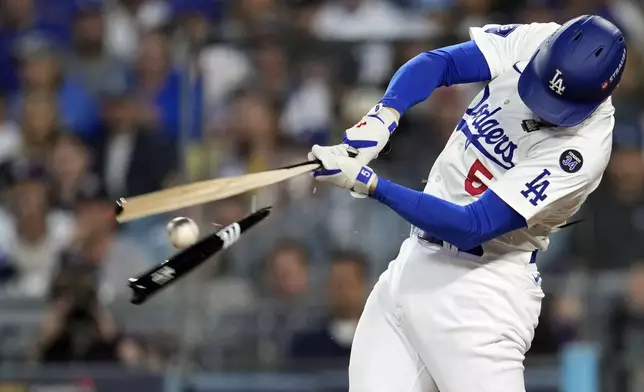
(457, 309)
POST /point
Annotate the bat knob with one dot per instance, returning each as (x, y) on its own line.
(139, 294)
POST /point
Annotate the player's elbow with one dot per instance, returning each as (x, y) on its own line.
(468, 241)
(489, 217)
(438, 61)
(478, 235)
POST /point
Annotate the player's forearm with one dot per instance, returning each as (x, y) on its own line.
(419, 77)
(462, 226)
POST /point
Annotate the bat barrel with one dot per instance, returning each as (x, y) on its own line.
(164, 274)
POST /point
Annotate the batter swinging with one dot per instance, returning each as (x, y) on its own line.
(456, 311)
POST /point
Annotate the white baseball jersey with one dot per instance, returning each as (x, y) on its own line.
(544, 174)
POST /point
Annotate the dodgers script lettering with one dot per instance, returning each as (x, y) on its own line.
(490, 139)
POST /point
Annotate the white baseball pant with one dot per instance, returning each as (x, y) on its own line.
(441, 320)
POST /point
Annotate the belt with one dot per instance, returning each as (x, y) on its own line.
(476, 251)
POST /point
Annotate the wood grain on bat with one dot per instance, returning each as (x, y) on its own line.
(204, 192)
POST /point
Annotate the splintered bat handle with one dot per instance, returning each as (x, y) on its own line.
(164, 274)
(254, 218)
(118, 206)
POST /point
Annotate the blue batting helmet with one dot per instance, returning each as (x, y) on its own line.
(574, 70)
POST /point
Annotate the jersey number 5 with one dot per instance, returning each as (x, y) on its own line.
(473, 185)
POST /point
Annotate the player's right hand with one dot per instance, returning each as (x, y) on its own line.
(371, 134)
(342, 170)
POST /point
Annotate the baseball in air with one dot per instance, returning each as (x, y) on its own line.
(183, 232)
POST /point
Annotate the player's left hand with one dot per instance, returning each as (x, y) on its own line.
(341, 170)
(371, 134)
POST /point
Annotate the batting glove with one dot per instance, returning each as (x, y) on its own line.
(369, 136)
(341, 170)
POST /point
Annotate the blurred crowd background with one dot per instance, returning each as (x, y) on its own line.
(104, 99)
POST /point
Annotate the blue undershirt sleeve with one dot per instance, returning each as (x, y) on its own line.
(462, 226)
(419, 77)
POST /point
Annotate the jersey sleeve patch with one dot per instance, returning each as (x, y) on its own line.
(502, 31)
(571, 161)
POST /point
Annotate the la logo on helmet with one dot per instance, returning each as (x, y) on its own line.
(556, 83)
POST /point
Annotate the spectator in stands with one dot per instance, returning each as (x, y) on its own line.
(376, 21)
(97, 243)
(226, 292)
(224, 65)
(128, 19)
(140, 352)
(10, 139)
(329, 345)
(194, 20)
(159, 87)
(89, 59)
(273, 77)
(229, 211)
(250, 18)
(287, 275)
(312, 95)
(16, 17)
(287, 296)
(130, 157)
(69, 162)
(7, 270)
(249, 134)
(31, 232)
(20, 17)
(40, 125)
(41, 70)
(77, 327)
(625, 351)
(614, 210)
(472, 13)
(366, 19)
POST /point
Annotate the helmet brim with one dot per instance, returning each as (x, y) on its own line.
(547, 106)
